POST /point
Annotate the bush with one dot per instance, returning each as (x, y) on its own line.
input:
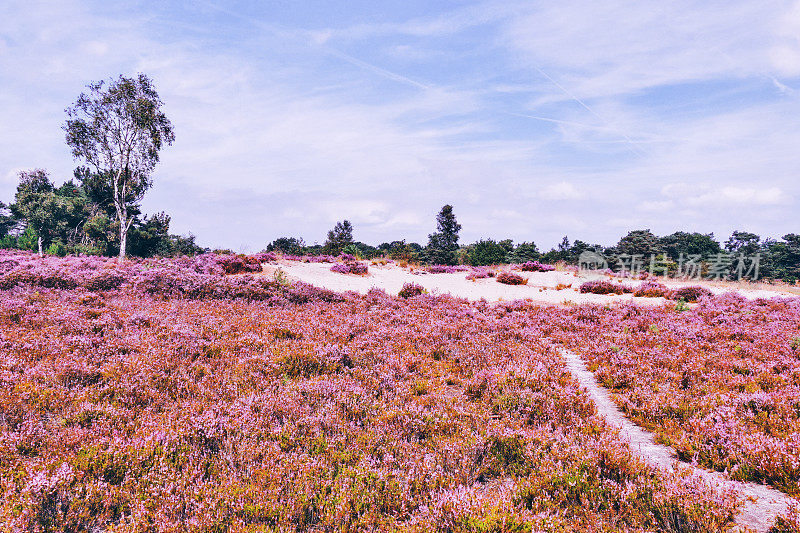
(479, 274)
(446, 269)
(652, 289)
(265, 257)
(536, 266)
(486, 252)
(603, 287)
(239, 264)
(57, 249)
(351, 267)
(691, 294)
(410, 289)
(509, 278)
(340, 268)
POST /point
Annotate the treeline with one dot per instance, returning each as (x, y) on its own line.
(775, 259)
(117, 129)
(79, 217)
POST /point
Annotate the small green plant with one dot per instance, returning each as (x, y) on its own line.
(353, 250)
(420, 388)
(795, 344)
(681, 306)
(280, 278)
(504, 456)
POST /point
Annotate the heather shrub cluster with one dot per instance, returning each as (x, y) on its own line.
(652, 289)
(509, 278)
(480, 273)
(239, 264)
(446, 269)
(720, 383)
(350, 267)
(411, 289)
(604, 287)
(536, 266)
(200, 277)
(693, 293)
(131, 410)
(647, 289)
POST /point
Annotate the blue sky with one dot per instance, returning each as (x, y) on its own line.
(534, 119)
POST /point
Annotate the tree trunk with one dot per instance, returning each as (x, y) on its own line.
(41, 253)
(123, 239)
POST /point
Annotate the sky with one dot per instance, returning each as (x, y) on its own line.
(535, 120)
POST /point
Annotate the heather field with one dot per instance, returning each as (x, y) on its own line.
(720, 383)
(198, 395)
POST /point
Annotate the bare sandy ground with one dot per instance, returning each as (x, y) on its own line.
(541, 286)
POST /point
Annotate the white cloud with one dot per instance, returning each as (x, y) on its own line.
(707, 195)
(560, 191)
(785, 55)
(618, 47)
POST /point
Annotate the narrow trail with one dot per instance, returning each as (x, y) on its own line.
(762, 504)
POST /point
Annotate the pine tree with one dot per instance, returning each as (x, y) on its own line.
(443, 244)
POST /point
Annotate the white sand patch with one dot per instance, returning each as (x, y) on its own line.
(541, 286)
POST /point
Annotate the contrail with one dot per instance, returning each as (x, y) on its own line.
(567, 122)
(375, 69)
(631, 144)
(336, 53)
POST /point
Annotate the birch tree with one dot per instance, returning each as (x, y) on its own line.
(118, 129)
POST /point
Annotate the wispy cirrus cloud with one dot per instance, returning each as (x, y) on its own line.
(533, 119)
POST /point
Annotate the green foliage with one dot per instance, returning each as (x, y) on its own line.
(681, 242)
(504, 456)
(7, 220)
(782, 259)
(742, 242)
(119, 130)
(524, 252)
(638, 242)
(340, 236)
(443, 245)
(487, 252)
(58, 249)
(53, 214)
(287, 245)
(401, 251)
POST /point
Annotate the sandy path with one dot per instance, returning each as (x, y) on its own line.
(762, 504)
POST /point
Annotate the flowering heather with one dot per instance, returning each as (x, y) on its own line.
(352, 267)
(604, 287)
(446, 269)
(266, 257)
(692, 293)
(311, 258)
(132, 410)
(480, 273)
(536, 266)
(720, 383)
(411, 289)
(239, 264)
(652, 289)
(509, 278)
